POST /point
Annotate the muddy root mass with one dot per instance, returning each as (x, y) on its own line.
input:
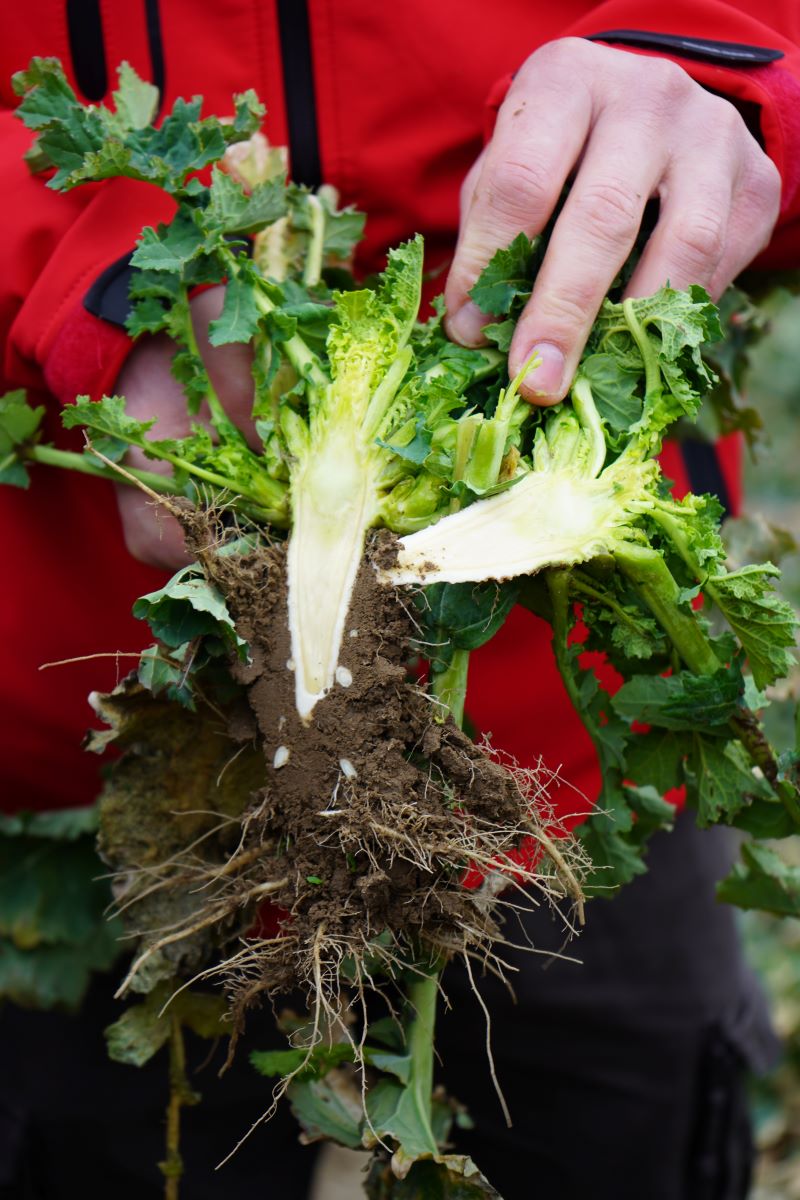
(368, 816)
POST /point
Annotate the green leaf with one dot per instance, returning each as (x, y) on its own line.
(68, 131)
(186, 608)
(65, 824)
(613, 390)
(507, 277)
(762, 880)
(231, 210)
(143, 1028)
(720, 780)
(765, 818)
(615, 860)
(682, 701)
(170, 247)
(651, 810)
(136, 1036)
(656, 758)
(108, 419)
(314, 1064)
(278, 1062)
(328, 1108)
(674, 325)
(454, 1178)
(55, 976)
(763, 622)
(240, 315)
(394, 1112)
(399, 1065)
(160, 672)
(54, 930)
(47, 893)
(19, 423)
(146, 316)
(135, 100)
(500, 333)
(344, 229)
(463, 616)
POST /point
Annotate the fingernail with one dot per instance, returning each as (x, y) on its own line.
(466, 325)
(547, 378)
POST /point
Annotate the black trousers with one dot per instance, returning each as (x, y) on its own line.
(625, 1076)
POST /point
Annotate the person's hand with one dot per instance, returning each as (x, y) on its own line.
(629, 127)
(145, 381)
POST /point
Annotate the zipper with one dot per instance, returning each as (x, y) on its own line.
(294, 31)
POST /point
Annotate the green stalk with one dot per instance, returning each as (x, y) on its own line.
(73, 461)
(652, 371)
(450, 685)
(653, 580)
(486, 453)
(302, 359)
(579, 584)
(586, 411)
(558, 585)
(466, 431)
(180, 1094)
(162, 484)
(219, 418)
(422, 995)
(312, 270)
(267, 514)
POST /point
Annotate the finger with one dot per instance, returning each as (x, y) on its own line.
(756, 205)
(688, 242)
(229, 367)
(719, 203)
(590, 241)
(151, 392)
(151, 534)
(519, 183)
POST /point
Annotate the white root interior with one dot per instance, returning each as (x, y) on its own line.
(547, 518)
(333, 502)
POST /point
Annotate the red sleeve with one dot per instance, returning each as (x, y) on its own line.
(774, 88)
(60, 244)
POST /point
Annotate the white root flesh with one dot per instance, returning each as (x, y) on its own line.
(546, 519)
(333, 503)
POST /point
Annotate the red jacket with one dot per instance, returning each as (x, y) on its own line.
(400, 97)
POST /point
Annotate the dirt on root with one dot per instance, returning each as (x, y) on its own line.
(368, 815)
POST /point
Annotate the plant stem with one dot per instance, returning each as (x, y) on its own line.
(652, 371)
(163, 484)
(450, 688)
(653, 580)
(579, 584)
(179, 1094)
(219, 418)
(72, 461)
(450, 685)
(586, 411)
(313, 264)
(558, 585)
(422, 996)
(302, 359)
